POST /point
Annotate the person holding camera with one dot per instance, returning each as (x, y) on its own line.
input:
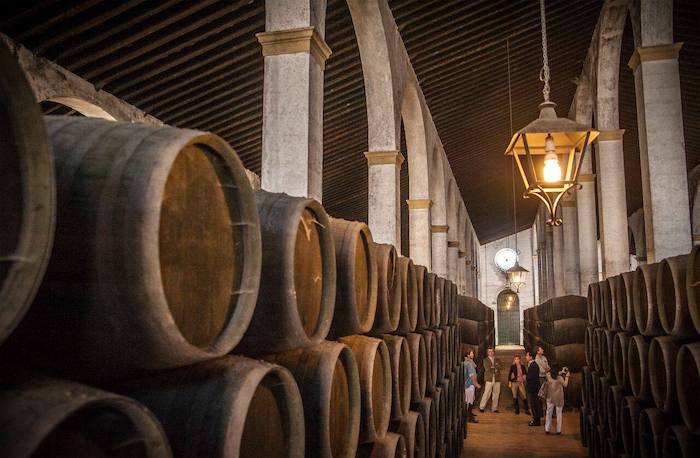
(554, 395)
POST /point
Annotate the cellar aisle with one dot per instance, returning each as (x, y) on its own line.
(506, 435)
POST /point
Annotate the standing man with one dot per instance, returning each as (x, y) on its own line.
(542, 363)
(492, 369)
(532, 387)
(516, 383)
(471, 384)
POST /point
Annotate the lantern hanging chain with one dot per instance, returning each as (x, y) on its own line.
(512, 166)
(544, 73)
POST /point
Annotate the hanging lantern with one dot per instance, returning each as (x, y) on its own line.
(549, 150)
(509, 298)
(516, 276)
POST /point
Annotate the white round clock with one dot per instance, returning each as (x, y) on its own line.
(505, 258)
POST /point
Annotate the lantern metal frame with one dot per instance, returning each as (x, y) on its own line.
(571, 139)
(516, 276)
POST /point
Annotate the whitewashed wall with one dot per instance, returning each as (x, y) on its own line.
(493, 281)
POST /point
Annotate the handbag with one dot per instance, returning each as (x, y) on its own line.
(543, 391)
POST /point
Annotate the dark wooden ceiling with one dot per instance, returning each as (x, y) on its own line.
(197, 64)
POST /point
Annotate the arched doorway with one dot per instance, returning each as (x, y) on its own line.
(508, 308)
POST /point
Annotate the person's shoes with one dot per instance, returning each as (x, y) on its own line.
(495, 411)
(481, 410)
(547, 432)
(558, 433)
(534, 423)
(516, 405)
(527, 412)
(473, 420)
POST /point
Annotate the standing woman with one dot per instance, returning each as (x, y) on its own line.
(471, 384)
(516, 383)
(555, 396)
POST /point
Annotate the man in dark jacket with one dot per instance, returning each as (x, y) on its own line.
(532, 387)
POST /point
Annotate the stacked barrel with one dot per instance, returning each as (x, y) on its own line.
(154, 305)
(643, 356)
(476, 326)
(559, 325)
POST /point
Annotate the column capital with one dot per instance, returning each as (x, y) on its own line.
(586, 178)
(696, 237)
(384, 157)
(462, 254)
(613, 134)
(453, 244)
(304, 39)
(568, 203)
(649, 53)
(416, 204)
(439, 228)
(469, 262)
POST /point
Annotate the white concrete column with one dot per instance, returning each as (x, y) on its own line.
(558, 256)
(571, 256)
(419, 233)
(384, 211)
(440, 250)
(452, 257)
(613, 203)
(662, 151)
(292, 143)
(587, 218)
(550, 286)
(462, 270)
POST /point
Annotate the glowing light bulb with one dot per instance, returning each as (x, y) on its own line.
(552, 171)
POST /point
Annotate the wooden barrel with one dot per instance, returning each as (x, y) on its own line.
(606, 304)
(400, 361)
(179, 203)
(613, 407)
(672, 297)
(646, 311)
(589, 346)
(652, 426)
(662, 373)
(439, 302)
(449, 354)
(569, 355)
(45, 417)
(431, 351)
(638, 367)
(619, 358)
(423, 310)
(629, 424)
(374, 367)
(441, 340)
(389, 291)
(329, 383)
(582, 430)
(600, 445)
(392, 445)
(419, 365)
(598, 343)
(470, 331)
(471, 308)
(593, 303)
(592, 433)
(413, 431)
(586, 388)
(429, 298)
(618, 299)
(687, 382)
(453, 304)
(606, 353)
(232, 406)
(572, 394)
(409, 296)
(692, 283)
(439, 400)
(559, 308)
(601, 404)
(27, 194)
(449, 406)
(356, 278)
(624, 299)
(564, 331)
(426, 407)
(680, 442)
(298, 281)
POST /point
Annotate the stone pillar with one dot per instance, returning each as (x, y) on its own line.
(549, 265)
(420, 234)
(613, 203)
(462, 270)
(440, 250)
(587, 219)
(384, 181)
(292, 140)
(662, 151)
(571, 256)
(558, 260)
(452, 257)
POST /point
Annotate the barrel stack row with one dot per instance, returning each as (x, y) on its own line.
(643, 355)
(152, 304)
(476, 326)
(559, 325)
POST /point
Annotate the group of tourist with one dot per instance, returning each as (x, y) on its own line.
(533, 382)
